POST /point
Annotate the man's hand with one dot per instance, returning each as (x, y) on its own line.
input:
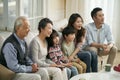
(34, 67)
(106, 48)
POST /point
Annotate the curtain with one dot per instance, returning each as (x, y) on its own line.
(111, 9)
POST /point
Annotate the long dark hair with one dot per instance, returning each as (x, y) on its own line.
(80, 33)
(73, 18)
(50, 39)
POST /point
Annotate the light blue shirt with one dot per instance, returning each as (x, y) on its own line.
(105, 34)
(10, 54)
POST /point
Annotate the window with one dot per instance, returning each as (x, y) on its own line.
(10, 9)
(33, 9)
(11, 14)
(1, 14)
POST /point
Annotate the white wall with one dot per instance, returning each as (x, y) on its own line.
(116, 23)
(111, 8)
(56, 9)
(74, 6)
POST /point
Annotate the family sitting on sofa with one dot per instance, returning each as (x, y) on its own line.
(49, 56)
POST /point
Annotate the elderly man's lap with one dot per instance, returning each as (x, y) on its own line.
(41, 74)
(27, 76)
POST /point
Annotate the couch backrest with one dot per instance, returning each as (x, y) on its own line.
(58, 25)
(1, 41)
(29, 37)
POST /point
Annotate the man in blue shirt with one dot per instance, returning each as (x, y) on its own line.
(98, 33)
(14, 54)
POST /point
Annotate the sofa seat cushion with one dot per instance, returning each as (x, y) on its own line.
(6, 74)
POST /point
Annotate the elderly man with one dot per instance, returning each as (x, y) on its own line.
(97, 33)
(14, 54)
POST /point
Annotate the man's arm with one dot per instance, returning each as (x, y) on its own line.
(97, 45)
(10, 55)
(90, 40)
(109, 38)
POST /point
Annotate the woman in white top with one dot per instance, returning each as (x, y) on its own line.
(38, 50)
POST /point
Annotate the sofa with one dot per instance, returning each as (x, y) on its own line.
(6, 74)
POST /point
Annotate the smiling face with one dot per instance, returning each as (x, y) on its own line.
(47, 30)
(78, 23)
(22, 31)
(70, 37)
(56, 40)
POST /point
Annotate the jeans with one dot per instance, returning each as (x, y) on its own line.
(71, 71)
(91, 60)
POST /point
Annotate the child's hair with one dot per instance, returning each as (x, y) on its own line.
(50, 39)
(68, 30)
(81, 33)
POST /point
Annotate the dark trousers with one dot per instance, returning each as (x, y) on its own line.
(90, 58)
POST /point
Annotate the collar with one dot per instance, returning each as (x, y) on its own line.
(19, 40)
(94, 27)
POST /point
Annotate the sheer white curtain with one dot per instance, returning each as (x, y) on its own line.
(111, 9)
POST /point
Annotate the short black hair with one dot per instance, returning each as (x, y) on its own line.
(68, 30)
(95, 10)
(43, 22)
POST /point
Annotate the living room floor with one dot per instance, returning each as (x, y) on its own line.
(117, 59)
(116, 62)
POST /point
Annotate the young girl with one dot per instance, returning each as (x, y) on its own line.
(68, 47)
(56, 55)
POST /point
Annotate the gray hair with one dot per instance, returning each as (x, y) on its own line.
(18, 22)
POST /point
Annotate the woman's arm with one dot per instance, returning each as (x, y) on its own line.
(35, 53)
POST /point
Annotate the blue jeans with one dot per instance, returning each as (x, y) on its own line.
(91, 60)
(71, 71)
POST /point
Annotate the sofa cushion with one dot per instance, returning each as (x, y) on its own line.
(1, 41)
(6, 74)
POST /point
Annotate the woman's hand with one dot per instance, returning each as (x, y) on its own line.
(71, 58)
(77, 60)
(53, 65)
(67, 64)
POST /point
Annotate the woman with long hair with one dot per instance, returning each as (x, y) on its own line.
(89, 57)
